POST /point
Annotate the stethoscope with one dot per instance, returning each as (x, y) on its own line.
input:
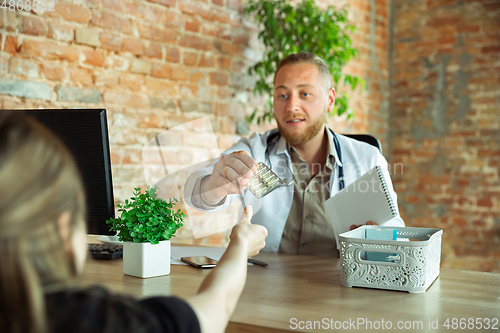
(274, 138)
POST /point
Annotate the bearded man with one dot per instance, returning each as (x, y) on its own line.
(302, 148)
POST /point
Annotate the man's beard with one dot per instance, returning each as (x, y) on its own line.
(295, 139)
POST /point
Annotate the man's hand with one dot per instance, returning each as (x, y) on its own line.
(251, 236)
(230, 175)
(354, 226)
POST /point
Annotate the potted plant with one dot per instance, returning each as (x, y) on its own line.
(146, 225)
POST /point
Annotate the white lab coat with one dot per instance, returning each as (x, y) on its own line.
(272, 211)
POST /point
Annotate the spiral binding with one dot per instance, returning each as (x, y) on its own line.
(392, 207)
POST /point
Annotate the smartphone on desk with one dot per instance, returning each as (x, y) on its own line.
(200, 262)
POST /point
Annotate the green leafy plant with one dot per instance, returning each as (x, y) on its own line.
(305, 27)
(146, 218)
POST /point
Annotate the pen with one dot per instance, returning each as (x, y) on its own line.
(257, 262)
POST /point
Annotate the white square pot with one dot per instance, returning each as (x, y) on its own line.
(146, 260)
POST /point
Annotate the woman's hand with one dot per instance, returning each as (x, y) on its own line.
(251, 236)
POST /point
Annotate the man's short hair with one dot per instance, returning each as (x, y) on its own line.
(310, 58)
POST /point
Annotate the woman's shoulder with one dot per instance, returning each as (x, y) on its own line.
(95, 309)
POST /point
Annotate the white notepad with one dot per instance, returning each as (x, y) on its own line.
(366, 199)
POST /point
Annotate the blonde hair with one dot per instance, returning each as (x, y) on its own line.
(309, 58)
(39, 181)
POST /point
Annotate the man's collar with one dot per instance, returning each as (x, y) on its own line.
(282, 145)
(331, 146)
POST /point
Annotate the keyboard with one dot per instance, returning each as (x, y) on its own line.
(105, 251)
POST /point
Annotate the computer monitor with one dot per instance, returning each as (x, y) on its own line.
(85, 133)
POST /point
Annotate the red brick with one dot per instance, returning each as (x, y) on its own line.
(491, 49)
(114, 5)
(108, 79)
(229, 110)
(462, 182)
(157, 34)
(464, 201)
(468, 28)
(153, 85)
(10, 44)
(153, 50)
(207, 61)
(128, 100)
(224, 33)
(161, 70)
(488, 153)
(191, 23)
(412, 199)
(60, 31)
(190, 58)
(135, 8)
(446, 40)
(209, 30)
(69, 12)
(33, 25)
(195, 42)
(241, 37)
(81, 75)
(219, 16)
(173, 19)
(460, 222)
(195, 7)
(151, 121)
(196, 76)
(227, 48)
(133, 45)
(234, 4)
(110, 41)
(239, 65)
(155, 15)
(117, 63)
(485, 202)
(110, 21)
(170, 3)
(219, 79)
(49, 51)
(224, 63)
(173, 54)
(224, 92)
(179, 73)
(188, 90)
(132, 82)
(53, 72)
(94, 58)
(10, 20)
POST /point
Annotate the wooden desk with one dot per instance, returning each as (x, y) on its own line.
(308, 289)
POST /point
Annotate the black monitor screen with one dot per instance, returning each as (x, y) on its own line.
(85, 133)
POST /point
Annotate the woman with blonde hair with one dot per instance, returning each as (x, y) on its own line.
(43, 248)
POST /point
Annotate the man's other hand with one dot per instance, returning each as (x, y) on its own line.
(354, 226)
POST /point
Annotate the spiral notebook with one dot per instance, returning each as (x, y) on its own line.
(366, 199)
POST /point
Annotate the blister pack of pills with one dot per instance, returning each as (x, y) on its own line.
(264, 181)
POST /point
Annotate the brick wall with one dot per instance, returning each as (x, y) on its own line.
(161, 63)
(446, 124)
